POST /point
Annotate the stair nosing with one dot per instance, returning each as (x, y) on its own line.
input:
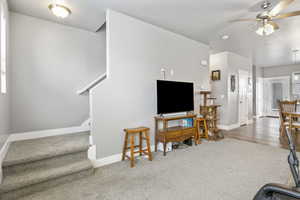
(88, 165)
(42, 157)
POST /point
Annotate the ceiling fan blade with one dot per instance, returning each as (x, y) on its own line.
(275, 25)
(244, 20)
(279, 7)
(285, 15)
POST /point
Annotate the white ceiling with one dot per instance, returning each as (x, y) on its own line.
(204, 21)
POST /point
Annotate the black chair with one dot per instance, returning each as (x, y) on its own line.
(280, 192)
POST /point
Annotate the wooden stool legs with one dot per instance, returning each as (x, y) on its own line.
(205, 132)
(141, 143)
(132, 150)
(141, 151)
(125, 146)
(148, 145)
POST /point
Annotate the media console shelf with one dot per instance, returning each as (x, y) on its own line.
(173, 134)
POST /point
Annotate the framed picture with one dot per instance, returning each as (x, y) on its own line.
(232, 83)
(216, 75)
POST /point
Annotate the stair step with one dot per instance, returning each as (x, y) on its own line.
(30, 178)
(42, 148)
(15, 194)
(45, 163)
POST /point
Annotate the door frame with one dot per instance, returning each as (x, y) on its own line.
(247, 98)
(288, 78)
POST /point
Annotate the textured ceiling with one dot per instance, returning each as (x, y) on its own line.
(204, 21)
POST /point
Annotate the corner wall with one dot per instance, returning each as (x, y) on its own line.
(50, 62)
(127, 98)
(230, 63)
(5, 125)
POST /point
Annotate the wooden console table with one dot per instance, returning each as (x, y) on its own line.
(173, 134)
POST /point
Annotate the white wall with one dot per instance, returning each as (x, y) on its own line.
(236, 63)
(285, 70)
(219, 89)
(229, 63)
(50, 62)
(5, 98)
(127, 98)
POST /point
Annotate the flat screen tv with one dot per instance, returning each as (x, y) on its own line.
(174, 97)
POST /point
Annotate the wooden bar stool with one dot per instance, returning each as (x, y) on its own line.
(201, 123)
(143, 133)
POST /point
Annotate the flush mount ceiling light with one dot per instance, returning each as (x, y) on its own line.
(59, 10)
(225, 37)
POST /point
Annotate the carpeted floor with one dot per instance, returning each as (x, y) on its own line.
(226, 170)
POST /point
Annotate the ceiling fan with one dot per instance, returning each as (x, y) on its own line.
(266, 19)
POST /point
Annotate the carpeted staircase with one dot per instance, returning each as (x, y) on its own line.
(36, 164)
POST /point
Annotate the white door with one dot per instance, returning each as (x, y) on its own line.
(243, 94)
(259, 97)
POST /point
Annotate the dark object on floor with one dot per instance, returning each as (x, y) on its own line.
(188, 142)
(277, 192)
(280, 192)
(293, 159)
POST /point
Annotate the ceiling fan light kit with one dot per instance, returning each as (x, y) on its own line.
(266, 19)
(265, 29)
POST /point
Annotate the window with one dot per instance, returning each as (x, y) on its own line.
(3, 49)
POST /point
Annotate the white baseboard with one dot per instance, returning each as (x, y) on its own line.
(107, 160)
(228, 127)
(250, 121)
(110, 159)
(47, 133)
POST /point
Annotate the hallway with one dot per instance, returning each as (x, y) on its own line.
(264, 131)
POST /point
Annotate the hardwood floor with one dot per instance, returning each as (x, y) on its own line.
(264, 131)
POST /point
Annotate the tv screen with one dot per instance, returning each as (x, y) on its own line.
(174, 97)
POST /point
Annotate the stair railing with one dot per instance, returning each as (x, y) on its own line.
(92, 84)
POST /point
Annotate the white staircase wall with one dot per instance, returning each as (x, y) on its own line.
(50, 63)
(136, 52)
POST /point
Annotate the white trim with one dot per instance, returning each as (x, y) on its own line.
(258, 116)
(92, 84)
(47, 133)
(107, 13)
(86, 123)
(276, 77)
(228, 127)
(3, 152)
(240, 73)
(111, 159)
(107, 160)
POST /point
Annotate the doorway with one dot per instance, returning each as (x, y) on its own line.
(243, 97)
(276, 88)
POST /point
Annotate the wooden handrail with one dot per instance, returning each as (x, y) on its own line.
(92, 84)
